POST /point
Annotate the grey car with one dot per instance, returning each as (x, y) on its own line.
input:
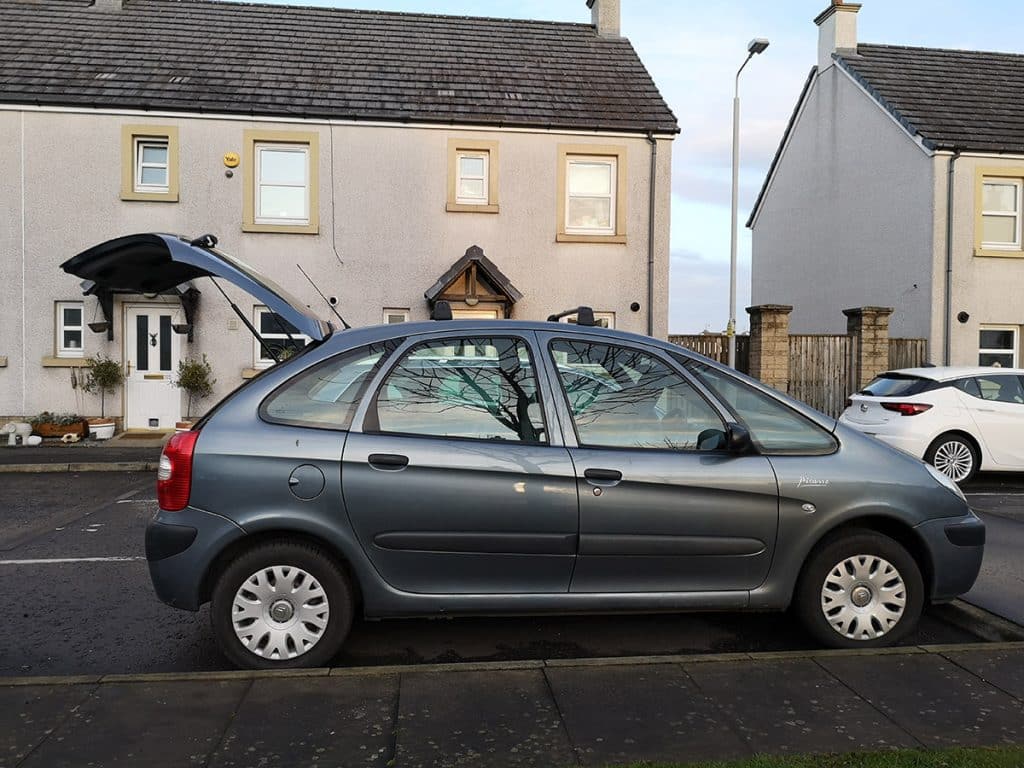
(510, 467)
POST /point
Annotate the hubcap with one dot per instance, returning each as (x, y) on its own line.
(280, 612)
(954, 460)
(863, 597)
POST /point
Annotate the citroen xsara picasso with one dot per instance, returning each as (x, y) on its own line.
(507, 467)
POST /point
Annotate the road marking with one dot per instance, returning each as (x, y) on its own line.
(994, 493)
(137, 501)
(62, 560)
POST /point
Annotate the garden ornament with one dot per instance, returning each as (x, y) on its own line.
(70, 437)
(14, 430)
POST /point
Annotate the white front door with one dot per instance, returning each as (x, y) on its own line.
(151, 354)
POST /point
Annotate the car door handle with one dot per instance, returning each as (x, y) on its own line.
(389, 462)
(597, 476)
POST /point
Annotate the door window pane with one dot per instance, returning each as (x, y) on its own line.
(165, 342)
(326, 396)
(142, 342)
(773, 427)
(623, 398)
(477, 388)
(1003, 389)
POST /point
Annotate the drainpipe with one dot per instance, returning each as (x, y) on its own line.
(650, 233)
(947, 321)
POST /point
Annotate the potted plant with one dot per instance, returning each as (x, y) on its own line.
(195, 377)
(48, 424)
(103, 375)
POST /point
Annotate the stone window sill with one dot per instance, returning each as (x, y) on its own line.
(612, 239)
(999, 253)
(464, 208)
(3, 361)
(65, 362)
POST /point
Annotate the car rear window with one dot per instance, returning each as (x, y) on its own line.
(897, 385)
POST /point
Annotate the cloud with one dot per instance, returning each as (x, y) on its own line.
(699, 294)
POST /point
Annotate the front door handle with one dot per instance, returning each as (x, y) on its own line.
(388, 462)
(597, 476)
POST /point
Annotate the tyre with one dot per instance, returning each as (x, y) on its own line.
(281, 604)
(954, 456)
(862, 590)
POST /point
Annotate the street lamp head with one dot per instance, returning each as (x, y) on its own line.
(757, 45)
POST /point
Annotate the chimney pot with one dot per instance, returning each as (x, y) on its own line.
(605, 15)
(837, 31)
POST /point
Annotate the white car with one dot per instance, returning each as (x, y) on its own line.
(959, 420)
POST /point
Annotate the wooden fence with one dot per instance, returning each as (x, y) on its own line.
(821, 371)
(716, 346)
(907, 353)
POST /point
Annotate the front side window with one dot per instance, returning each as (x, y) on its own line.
(621, 397)
(1001, 213)
(69, 328)
(998, 347)
(774, 427)
(472, 388)
(326, 396)
(590, 195)
(282, 186)
(283, 338)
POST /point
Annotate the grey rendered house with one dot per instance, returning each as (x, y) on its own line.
(512, 168)
(898, 183)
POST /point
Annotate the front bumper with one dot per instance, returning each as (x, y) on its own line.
(181, 547)
(956, 546)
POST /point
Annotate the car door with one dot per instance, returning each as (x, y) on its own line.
(998, 410)
(663, 506)
(455, 483)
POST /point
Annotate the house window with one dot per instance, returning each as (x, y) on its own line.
(1001, 214)
(69, 327)
(283, 338)
(602, 319)
(997, 346)
(472, 176)
(149, 159)
(591, 194)
(280, 178)
(396, 316)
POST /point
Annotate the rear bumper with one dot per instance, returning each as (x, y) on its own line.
(912, 444)
(956, 545)
(181, 547)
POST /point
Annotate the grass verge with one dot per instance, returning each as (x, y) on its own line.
(999, 757)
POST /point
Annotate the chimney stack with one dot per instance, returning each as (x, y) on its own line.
(108, 5)
(837, 31)
(605, 15)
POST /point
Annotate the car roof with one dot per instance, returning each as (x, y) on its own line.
(952, 372)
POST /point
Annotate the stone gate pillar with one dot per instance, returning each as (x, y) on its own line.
(869, 327)
(769, 344)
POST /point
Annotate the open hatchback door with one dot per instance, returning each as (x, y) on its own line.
(153, 263)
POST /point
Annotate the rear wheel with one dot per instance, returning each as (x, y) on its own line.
(863, 590)
(954, 456)
(281, 604)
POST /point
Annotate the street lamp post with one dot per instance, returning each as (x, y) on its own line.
(757, 45)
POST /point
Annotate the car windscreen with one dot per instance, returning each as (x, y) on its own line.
(897, 385)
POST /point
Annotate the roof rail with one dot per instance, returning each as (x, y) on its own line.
(584, 316)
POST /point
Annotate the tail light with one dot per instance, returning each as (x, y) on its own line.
(906, 409)
(174, 476)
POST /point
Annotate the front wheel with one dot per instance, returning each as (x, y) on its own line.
(954, 456)
(863, 590)
(281, 604)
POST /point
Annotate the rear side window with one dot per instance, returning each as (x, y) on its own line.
(897, 385)
(326, 396)
(1005, 388)
(773, 427)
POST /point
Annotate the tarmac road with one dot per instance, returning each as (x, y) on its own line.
(77, 600)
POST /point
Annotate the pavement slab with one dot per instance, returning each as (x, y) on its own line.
(793, 706)
(932, 698)
(29, 714)
(1003, 669)
(496, 719)
(131, 724)
(608, 722)
(308, 721)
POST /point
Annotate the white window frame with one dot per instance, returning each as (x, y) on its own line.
(259, 361)
(1018, 184)
(60, 327)
(484, 155)
(388, 313)
(607, 317)
(1014, 329)
(613, 163)
(278, 146)
(140, 143)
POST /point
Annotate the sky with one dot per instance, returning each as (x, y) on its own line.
(692, 49)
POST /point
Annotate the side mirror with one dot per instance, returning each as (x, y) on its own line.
(737, 438)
